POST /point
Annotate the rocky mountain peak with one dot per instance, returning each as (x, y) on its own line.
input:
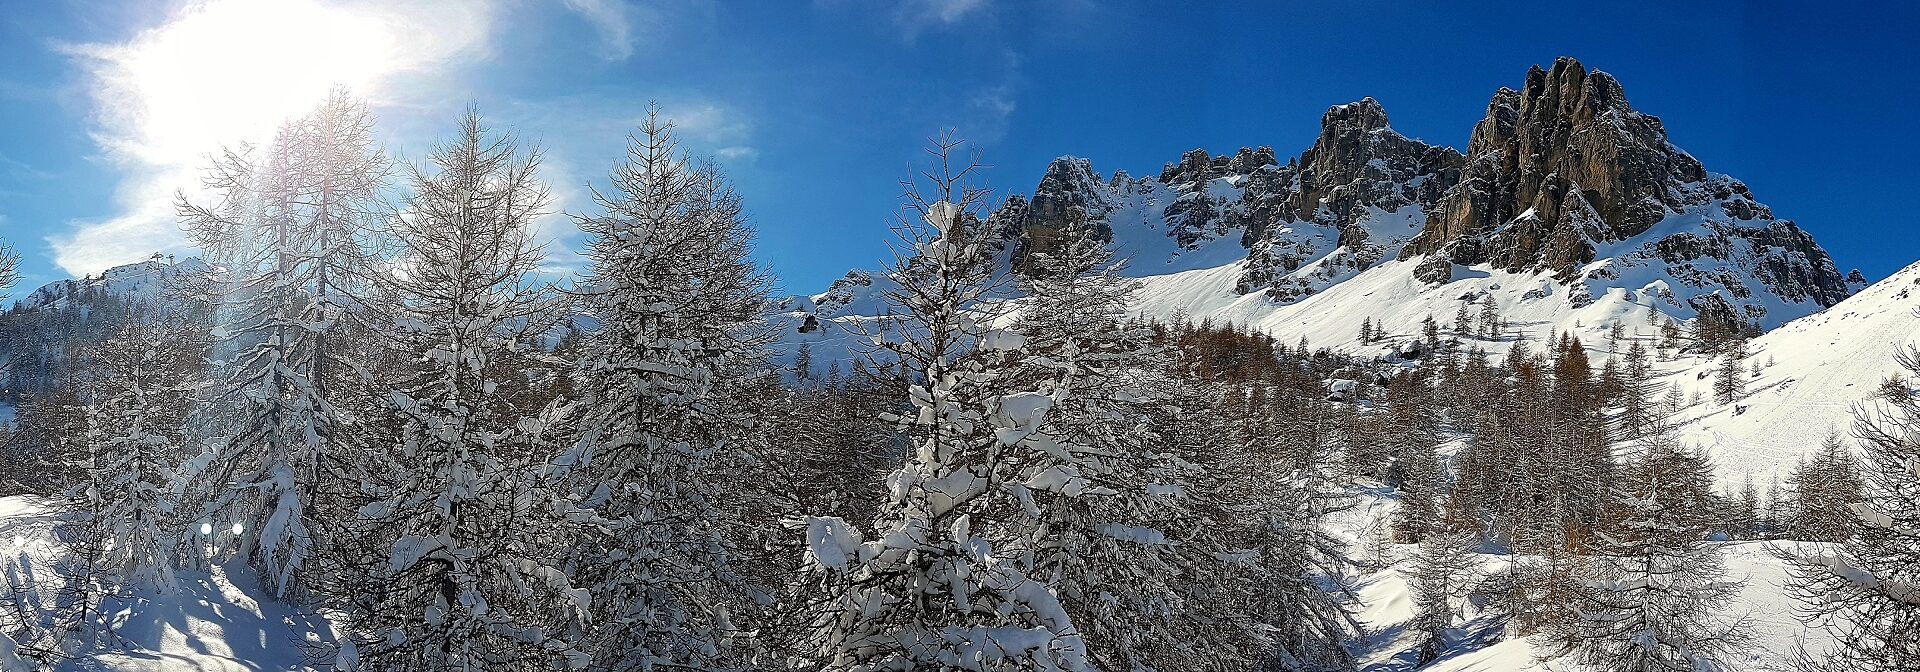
(1558, 166)
(1564, 168)
(1361, 115)
(1069, 192)
(1561, 176)
(1362, 185)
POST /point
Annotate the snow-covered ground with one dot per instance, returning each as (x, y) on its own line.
(1479, 644)
(1821, 366)
(212, 621)
(218, 619)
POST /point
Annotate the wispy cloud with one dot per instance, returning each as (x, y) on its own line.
(917, 16)
(613, 18)
(18, 170)
(989, 113)
(737, 154)
(222, 72)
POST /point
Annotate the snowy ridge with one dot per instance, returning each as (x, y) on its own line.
(144, 281)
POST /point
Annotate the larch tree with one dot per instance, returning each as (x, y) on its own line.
(287, 236)
(665, 424)
(126, 529)
(1090, 497)
(929, 591)
(1649, 599)
(1825, 489)
(1444, 572)
(9, 269)
(1729, 379)
(1868, 588)
(460, 521)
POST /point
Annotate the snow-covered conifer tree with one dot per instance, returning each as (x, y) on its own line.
(1092, 497)
(466, 570)
(1444, 571)
(137, 405)
(1651, 599)
(663, 440)
(929, 591)
(287, 237)
(1729, 379)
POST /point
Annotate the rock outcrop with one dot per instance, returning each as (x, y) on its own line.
(1361, 180)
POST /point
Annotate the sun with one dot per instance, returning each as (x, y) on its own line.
(232, 70)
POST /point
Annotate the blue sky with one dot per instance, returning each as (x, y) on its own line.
(817, 108)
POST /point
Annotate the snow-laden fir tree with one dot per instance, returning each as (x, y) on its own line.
(460, 524)
(928, 591)
(1651, 597)
(287, 235)
(664, 436)
(1868, 588)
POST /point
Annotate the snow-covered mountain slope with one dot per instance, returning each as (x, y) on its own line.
(39, 334)
(142, 281)
(1813, 372)
(1570, 208)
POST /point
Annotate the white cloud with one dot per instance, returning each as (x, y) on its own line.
(737, 154)
(611, 18)
(915, 16)
(989, 112)
(221, 72)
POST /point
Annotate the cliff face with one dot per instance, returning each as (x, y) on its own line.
(1569, 164)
